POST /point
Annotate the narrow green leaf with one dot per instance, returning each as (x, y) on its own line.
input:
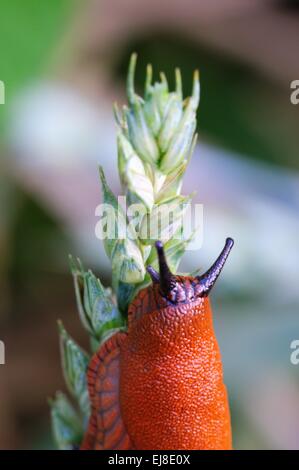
(78, 276)
(103, 313)
(125, 293)
(123, 250)
(74, 365)
(66, 425)
(127, 262)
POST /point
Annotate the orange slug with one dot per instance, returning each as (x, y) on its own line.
(160, 384)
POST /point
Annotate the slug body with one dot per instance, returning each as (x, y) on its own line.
(160, 384)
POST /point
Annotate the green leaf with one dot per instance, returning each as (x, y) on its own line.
(66, 425)
(96, 307)
(100, 308)
(127, 262)
(74, 365)
(124, 295)
(78, 276)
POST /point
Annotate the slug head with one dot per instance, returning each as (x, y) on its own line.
(176, 290)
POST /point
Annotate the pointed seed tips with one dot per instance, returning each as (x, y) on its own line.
(178, 83)
(196, 88)
(131, 77)
(148, 76)
(208, 279)
(148, 79)
(164, 80)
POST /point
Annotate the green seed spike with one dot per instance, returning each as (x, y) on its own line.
(148, 80)
(178, 83)
(130, 79)
(196, 89)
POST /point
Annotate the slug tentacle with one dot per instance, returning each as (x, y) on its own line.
(184, 289)
(167, 279)
(208, 279)
(153, 274)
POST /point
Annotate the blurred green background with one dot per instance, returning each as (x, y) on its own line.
(63, 64)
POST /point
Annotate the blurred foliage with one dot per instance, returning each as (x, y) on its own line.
(38, 244)
(238, 106)
(290, 4)
(24, 48)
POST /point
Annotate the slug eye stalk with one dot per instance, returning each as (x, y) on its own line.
(209, 278)
(202, 284)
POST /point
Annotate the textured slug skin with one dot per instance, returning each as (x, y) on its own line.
(160, 384)
(172, 394)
